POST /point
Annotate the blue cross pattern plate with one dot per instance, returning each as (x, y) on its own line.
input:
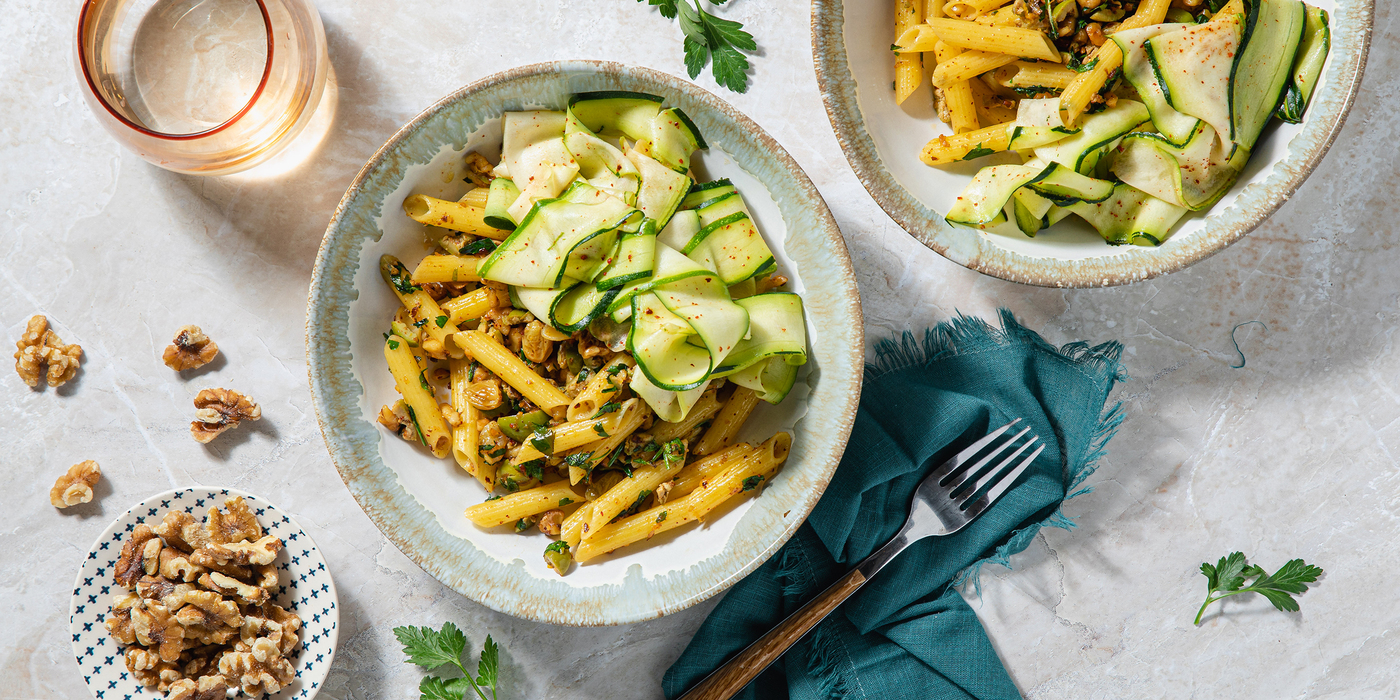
(306, 589)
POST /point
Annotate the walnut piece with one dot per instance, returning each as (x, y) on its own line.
(479, 170)
(551, 522)
(261, 669)
(132, 562)
(156, 627)
(209, 609)
(150, 670)
(191, 349)
(164, 591)
(75, 486)
(40, 346)
(260, 552)
(212, 687)
(218, 410)
(397, 420)
(234, 524)
(181, 531)
(176, 566)
(119, 621)
(244, 593)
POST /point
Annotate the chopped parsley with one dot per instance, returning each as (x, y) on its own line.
(543, 440)
(673, 454)
(661, 517)
(565, 501)
(533, 468)
(413, 417)
(559, 546)
(609, 407)
(480, 245)
(598, 428)
(752, 482)
(615, 369)
(393, 345)
(496, 497)
(977, 152)
(440, 321)
(398, 276)
(524, 524)
(578, 459)
(419, 323)
(424, 381)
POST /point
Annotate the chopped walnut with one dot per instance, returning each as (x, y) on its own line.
(283, 633)
(769, 283)
(265, 577)
(75, 486)
(536, 347)
(171, 594)
(191, 349)
(212, 687)
(209, 636)
(479, 170)
(39, 346)
(132, 562)
(118, 622)
(551, 521)
(176, 566)
(485, 395)
(261, 669)
(261, 552)
(246, 594)
(397, 420)
(150, 669)
(218, 410)
(492, 444)
(663, 491)
(181, 531)
(234, 524)
(450, 415)
(156, 627)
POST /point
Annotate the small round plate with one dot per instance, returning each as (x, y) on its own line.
(307, 590)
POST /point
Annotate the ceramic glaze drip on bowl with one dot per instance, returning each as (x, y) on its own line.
(416, 499)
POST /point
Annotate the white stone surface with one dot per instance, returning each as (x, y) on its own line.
(1291, 456)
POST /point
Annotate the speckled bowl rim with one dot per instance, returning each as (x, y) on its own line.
(327, 363)
(1327, 114)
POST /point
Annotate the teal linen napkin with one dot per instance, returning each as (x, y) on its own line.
(907, 633)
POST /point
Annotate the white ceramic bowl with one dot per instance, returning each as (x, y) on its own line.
(883, 140)
(417, 500)
(307, 590)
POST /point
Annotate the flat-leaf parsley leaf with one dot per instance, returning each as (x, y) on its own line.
(977, 152)
(432, 649)
(710, 38)
(1228, 576)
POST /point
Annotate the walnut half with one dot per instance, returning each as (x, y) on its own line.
(218, 410)
(191, 349)
(75, 486)
(39, 347)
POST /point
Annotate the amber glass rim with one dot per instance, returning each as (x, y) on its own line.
(83, 61)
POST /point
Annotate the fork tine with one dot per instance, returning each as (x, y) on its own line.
(961, 477)
(980, 477)
(958, 459)
(1002, 486)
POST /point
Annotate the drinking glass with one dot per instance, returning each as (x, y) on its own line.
(207, 87)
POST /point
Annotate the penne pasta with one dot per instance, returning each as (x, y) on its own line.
(1024, 74)
(603, 449)
(418, 394)
(745, 476)
(605, 385)
(523, 504)
(704, 409)
(422, 309)
(1015, 41)
(933, 8)
(957, 95)
(968, 65)
(640, 484)
(476, 197)
(697, 472)
(991, 107)
(908, 67)
(1106, 61)
(447, 268)
(969, 9)
(948, 149)
(725, 429)
(571, 530)
(1005, 17)
(919, 38)
(473, 304)
(511, 370)
(465, 437)
(574, 434)
(451, 215)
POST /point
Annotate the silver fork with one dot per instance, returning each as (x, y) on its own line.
(945, 502)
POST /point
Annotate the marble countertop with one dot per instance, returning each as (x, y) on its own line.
(1291, 456)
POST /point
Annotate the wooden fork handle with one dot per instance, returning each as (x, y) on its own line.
(727, 680)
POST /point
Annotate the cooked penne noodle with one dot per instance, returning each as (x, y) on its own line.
(451, 215)
(571, 530)
(574, 434)
(465, 437)
(1016, 41)
(603, 449)
(1106, 60)
(523, 504)
(418, 394)
(908, 67)
(958, 95)
(511, 370)
(704, 409)
(1005, 17)
(968, 9)
(933, 8)
(476, 197)
(918, 38)
(968, 65)
(948, 149)
(473, 304)
(422, 309)
(1024, 74)
(447, 268)
(755, 469)
(725, 429)
(991, 107)
(697, 472)
(604, 386)
(640, 484)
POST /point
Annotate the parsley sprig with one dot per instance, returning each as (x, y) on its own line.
(713, 39)
(1228, 576)
(431, 649)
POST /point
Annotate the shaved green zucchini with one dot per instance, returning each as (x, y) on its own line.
(674, 138)
(1192, 66)
(1307, 67)
(602, 165)
(670, 266)
(534, 157)
(1030, 210)
(564, 237)
(1063, 186)
(1138, 70)
(728, 242)
(776, 328)
(1131, 216)
(704, 192)
(616, 112)
(1024, 138)
(632, 260)
(983, 201)
(662, 188)
(658, 341)
(502, 194)
(683, 226)
(1264, 66)
(771, 379)
(669, 406)
(1194, 176)
(1082, 151)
